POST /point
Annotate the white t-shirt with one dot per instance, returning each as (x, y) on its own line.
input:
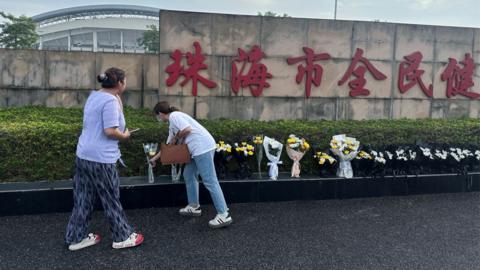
(199, 141)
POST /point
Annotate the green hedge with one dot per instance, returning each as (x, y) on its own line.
(38, 143)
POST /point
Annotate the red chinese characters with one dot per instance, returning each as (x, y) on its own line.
(195, 64)
(257, 75)
(459, 80)
(312, 71)
(408, 71)
(357, 85)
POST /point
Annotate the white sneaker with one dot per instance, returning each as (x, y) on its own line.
(90, 240)
(190, 211)
(220, 220)
(132, 241)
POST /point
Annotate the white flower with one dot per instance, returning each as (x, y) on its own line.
(380, 160)
(412, 154)
(427, 152)
(274, 144)
(477, 154)
(443, 155)
(390, 155)
(376, 154)
(455, 156)
(401, 154)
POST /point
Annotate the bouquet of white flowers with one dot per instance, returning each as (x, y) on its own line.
(150, 150)
(346, 148)
(296, 149)
(273, 151)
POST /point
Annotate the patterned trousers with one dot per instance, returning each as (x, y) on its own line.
(94, 180)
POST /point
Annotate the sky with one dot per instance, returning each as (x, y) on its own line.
(464, 13)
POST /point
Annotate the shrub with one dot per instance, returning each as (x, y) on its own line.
(38, 143)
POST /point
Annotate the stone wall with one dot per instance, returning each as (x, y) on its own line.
(32, 77)
(65, 78)
(384, 44)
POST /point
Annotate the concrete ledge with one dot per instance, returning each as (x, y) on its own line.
(56, 196)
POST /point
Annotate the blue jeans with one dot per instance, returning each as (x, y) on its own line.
(203, 165)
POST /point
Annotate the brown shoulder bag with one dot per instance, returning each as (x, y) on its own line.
(174, 154)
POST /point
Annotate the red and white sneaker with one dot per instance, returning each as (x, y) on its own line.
(90, 240)
(133, 240)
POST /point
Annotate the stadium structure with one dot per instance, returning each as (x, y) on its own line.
(97, 28)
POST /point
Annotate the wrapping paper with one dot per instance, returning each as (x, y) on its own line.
(295, 156)
(274, 160)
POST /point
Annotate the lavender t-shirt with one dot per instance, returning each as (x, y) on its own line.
(102, 110)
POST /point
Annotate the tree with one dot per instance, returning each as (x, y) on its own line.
(150, 40)
(17, 32)
(272, 14)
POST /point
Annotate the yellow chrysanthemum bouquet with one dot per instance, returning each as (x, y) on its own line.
(326, 163)
(346, 149)
(296, 149)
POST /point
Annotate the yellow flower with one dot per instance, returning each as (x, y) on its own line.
(257, 140)
(250, 153)
(249, 147)
(322, 161)
(217, 145)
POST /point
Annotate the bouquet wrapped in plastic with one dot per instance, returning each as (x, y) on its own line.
(346, 149)
(273, 151)
(258, 145)
(327, 164)
(296, 149)
(242, 153)
(150, 150)
(223, 154)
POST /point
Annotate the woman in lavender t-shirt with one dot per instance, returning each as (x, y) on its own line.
(96, 174)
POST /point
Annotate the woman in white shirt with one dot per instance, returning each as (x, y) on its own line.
(202, 148)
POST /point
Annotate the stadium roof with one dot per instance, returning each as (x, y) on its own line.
(82, 11)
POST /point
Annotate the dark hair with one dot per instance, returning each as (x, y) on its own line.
(164, 107)
(111, 77)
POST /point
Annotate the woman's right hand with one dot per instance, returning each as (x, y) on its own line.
(153, 161)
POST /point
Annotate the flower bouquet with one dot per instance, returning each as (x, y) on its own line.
(258, 145)
(363, 163)
(426, 159)
(296, 149)
(346, 148)
(459, 160)
(327, 164)
(242, 153)
(223, 154)
(150, 150)
(379, 163)
(273, 151)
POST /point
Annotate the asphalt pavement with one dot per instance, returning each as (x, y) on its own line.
(411, 232)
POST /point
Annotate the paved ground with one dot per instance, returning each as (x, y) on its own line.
(416, 232)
